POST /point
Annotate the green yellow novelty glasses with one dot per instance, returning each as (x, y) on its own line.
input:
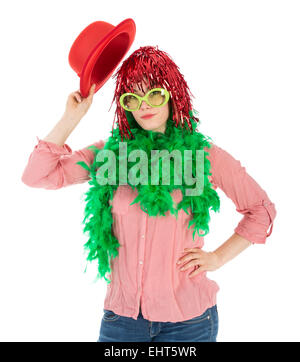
(156, 97)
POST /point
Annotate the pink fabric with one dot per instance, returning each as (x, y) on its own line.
(145, 271)
(51, 166)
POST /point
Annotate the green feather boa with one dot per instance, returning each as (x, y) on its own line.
(156, 200)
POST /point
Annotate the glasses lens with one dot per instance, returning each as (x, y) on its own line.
(131, 102)
(157, 97)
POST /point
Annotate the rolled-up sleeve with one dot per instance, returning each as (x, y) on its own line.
(51, 166)
(250, 199)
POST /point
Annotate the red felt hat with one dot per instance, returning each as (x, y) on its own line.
(97, 51)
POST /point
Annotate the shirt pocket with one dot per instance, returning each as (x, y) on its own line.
(121, 201)
(110, 316)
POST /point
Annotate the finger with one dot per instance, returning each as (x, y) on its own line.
(189, 264)
(92, 90)
(187, 257)
(77, 95)
(199, 270)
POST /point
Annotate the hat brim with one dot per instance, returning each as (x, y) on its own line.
(106, 56)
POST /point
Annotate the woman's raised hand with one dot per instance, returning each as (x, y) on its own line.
(77, 106)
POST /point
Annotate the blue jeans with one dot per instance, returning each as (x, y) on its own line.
(116, 328)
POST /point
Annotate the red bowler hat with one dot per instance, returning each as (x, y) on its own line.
(97, 51)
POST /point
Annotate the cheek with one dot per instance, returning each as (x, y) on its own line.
(165, 110)
(136, 115)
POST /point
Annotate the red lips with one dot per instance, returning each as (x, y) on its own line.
(149, 115)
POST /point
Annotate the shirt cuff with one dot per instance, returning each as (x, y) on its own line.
(53, 147)
(256, 222)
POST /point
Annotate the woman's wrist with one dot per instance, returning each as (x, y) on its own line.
(231, 248)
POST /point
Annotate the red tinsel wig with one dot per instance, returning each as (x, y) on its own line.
(158, 70)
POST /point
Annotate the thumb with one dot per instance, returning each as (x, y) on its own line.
(92, 90)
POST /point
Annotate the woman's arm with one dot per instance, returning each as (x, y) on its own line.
(51, 166)
(62, 130)
(210, 261)
(248, 196)
(231, 248)
(250, 200)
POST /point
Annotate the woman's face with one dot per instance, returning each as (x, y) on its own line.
(156, 123)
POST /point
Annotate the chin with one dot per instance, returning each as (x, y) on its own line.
(150, 127)
(147, 126)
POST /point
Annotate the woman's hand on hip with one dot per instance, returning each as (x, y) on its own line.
(202, 260)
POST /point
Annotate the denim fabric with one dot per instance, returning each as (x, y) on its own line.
(116, 328)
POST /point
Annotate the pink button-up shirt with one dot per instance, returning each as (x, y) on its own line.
(145, 272)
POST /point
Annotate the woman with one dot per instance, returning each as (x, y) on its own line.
(142, 233)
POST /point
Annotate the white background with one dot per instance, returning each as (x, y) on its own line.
(241, 61)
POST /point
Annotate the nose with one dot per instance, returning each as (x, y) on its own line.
(144, 105)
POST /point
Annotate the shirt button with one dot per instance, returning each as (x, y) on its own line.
(143, 236)
(141, 262)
